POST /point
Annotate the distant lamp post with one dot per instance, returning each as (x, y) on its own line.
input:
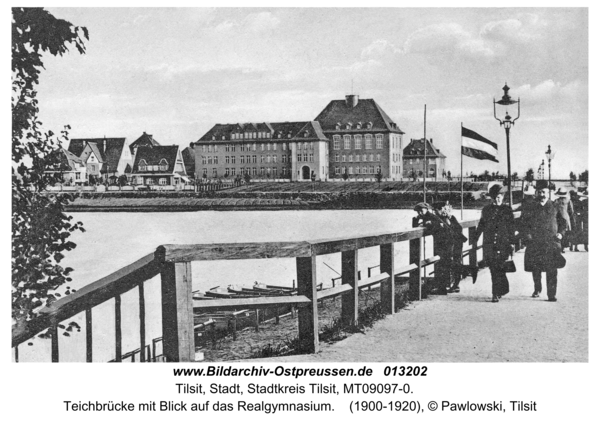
(506, 123)
(550, 157)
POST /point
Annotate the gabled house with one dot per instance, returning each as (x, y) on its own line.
(105, 158)
(159, 165)
(68, 167)
(414, 154)
(146, 140)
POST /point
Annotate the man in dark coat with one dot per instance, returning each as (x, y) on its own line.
(543, 227)
(498, 228)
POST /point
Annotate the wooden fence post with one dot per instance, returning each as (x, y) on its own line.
(308, 318)
(414, 281)
(177, 311)
(387, 289)
(350, 276)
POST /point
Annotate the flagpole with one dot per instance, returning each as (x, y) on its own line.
(425, 154)
(461, 175)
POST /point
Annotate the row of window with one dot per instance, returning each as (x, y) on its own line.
(245, 159)
(250, 135)
(357, 158)
(418, 160)
(163, 165)
(357, 170)
(411, 172)
(307, 158)
(348, 125)
(254, 171)
(256, 147)
(149, 181)
(358, 141)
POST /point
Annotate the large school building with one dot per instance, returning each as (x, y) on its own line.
(350, 137)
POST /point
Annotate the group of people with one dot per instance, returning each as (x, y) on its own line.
(546, 228)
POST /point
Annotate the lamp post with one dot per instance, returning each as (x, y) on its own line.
(506, 123)
(550, 156)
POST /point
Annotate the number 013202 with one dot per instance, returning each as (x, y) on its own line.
(405, 371)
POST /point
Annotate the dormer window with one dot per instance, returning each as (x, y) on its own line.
(359, 125)
(142, 165)
(164, 165)
(213, 137)
(349, 125)
(338, 125)
(306, 133)
(369, 125)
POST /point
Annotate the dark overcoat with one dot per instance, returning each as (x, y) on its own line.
(540, 225)
(497, 225)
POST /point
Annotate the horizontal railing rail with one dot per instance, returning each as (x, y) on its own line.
(173, 263)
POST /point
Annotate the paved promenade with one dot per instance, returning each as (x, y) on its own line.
(468, 327)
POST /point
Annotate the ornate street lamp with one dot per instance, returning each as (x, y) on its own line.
(550, 157)
(506, 123)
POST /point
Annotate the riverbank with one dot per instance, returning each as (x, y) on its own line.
(372, 201)
(274, 197)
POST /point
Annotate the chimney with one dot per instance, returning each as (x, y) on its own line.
(104, 143)
(351, 101)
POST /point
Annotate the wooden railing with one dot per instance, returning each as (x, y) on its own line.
(173, 263)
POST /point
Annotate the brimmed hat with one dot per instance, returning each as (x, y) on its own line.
(561, 192)
(544, 184)
(529, 190)
(494, 190)
(422, 205)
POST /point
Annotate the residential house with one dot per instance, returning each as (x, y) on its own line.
(105, 158)
(160, 165)
(414, 155)
(69, 168)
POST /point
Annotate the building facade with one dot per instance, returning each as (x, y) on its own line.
(289, 150)
(352, 136)
(159, 165)
(414, 157)
(105, 158)
(363, 139)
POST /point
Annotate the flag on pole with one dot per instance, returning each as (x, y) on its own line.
(476, 146)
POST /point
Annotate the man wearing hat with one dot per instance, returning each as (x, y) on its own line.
(543, 228)
(565, 207)
(498, 228)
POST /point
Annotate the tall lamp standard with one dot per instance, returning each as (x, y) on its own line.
(550, 157)
(506, 123)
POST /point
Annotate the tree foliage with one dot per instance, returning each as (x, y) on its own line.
(40, 228)
(529, 176)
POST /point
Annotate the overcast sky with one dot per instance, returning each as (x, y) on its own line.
(174, 73)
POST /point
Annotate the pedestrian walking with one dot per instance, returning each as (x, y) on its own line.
(543, 228)
(498, 228)
(576, 223)
(565, 207)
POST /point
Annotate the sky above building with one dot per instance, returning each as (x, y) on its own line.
(174, 73)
